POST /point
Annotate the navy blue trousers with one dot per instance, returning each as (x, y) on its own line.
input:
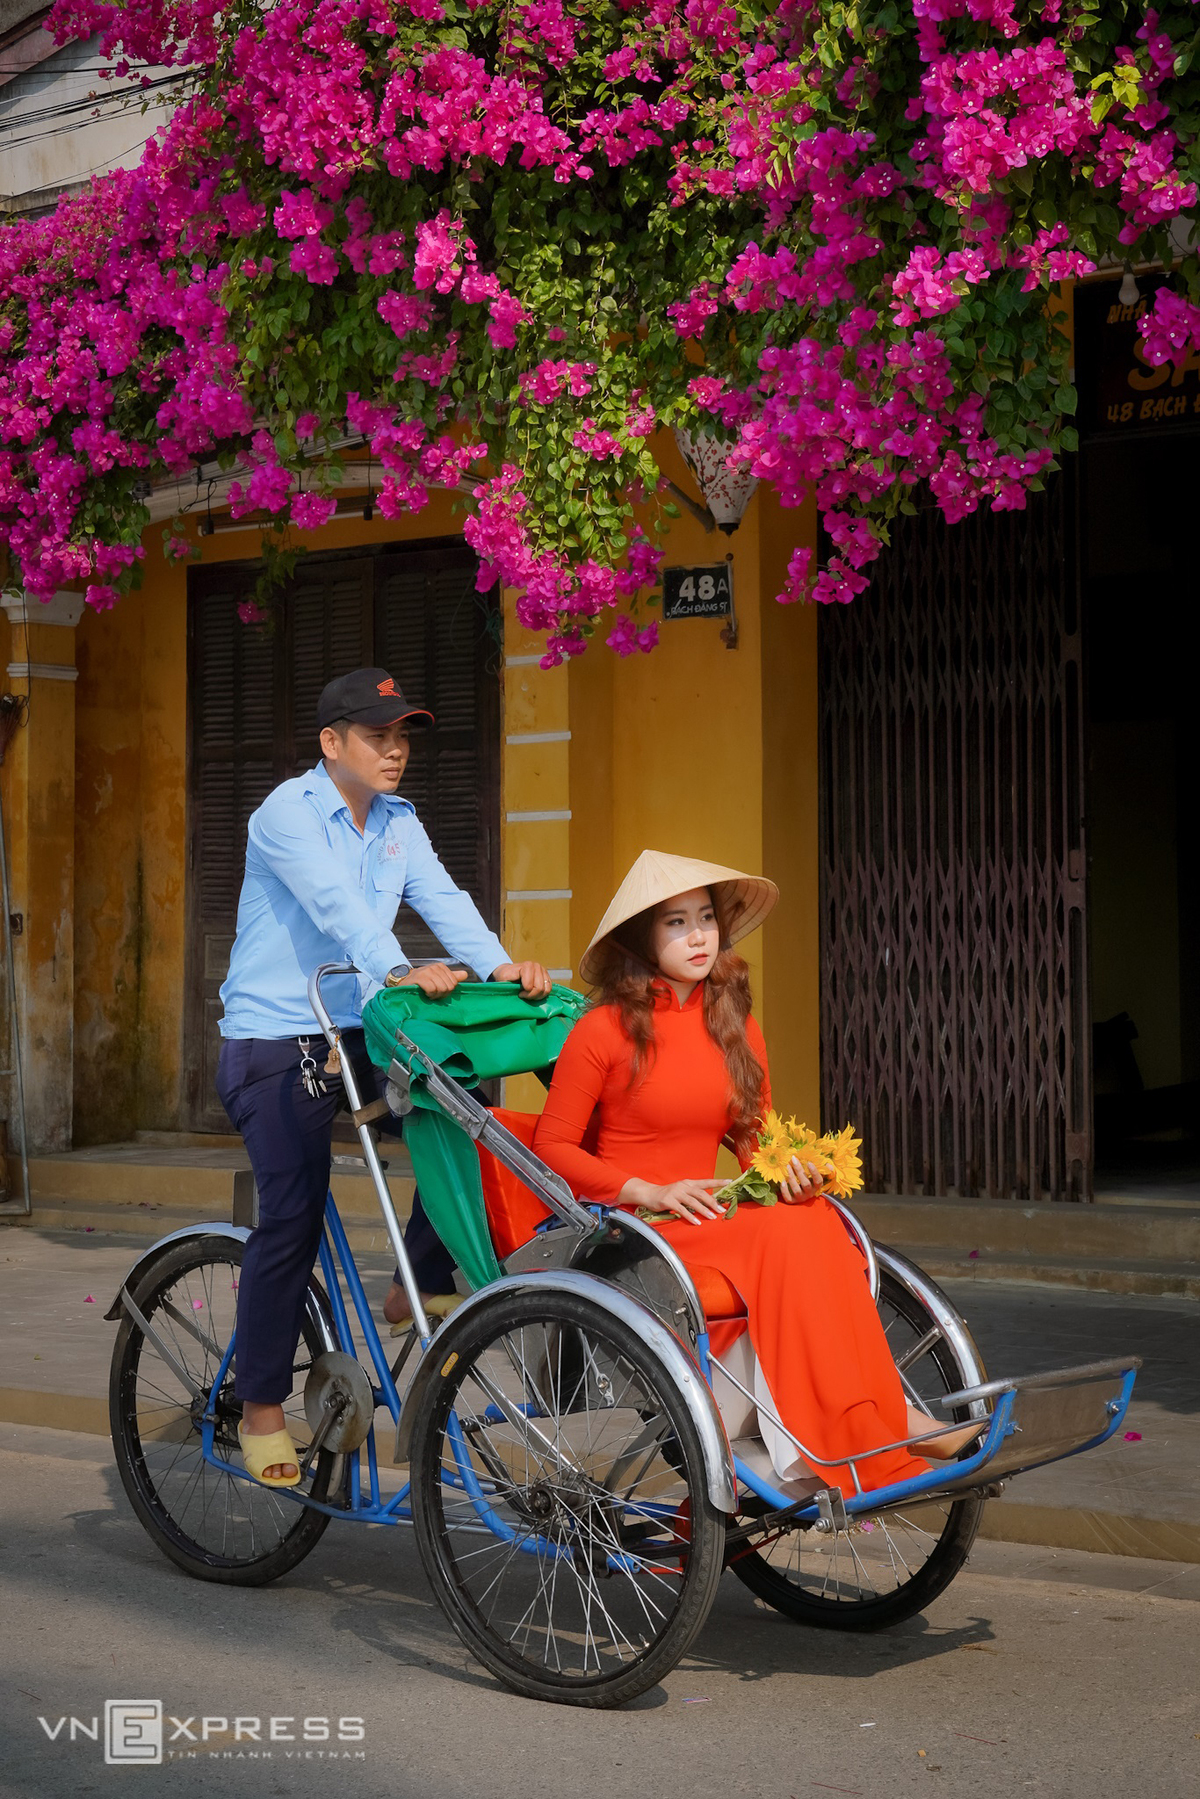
(288, 1138)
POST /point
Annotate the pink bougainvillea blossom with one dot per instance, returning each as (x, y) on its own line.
(312, 510)
(500, 255)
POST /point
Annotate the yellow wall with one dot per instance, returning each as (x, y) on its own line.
(695, 748)
(39, 816)
(130, 842)
(109, 844)
(791, 949)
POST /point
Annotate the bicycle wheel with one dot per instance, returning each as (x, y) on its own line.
(560, 1500)
(210, 1524)
(885, 1568)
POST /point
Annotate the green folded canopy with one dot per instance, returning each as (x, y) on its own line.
(484, 1029)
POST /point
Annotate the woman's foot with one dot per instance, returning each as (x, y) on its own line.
(264, 1421)
(941, 1449)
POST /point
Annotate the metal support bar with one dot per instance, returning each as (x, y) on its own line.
(333, 1037)
(479, 1124)
(1054, 1377)
(14, 1027)
(148, 1331)
(860, 1455)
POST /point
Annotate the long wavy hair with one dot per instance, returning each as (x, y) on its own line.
(625, 981)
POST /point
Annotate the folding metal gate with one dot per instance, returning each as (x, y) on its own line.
(954, 1014)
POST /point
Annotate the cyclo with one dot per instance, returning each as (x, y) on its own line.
(573, 1488)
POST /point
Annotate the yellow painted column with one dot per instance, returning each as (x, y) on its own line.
(711, 751)
(791, 987)
(536, 819)
(39, 804)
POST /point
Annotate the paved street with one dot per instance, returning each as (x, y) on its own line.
(1038, 1672)
(1136, 1496)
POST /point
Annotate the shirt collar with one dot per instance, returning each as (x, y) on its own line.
(666, 999)
(325, 791)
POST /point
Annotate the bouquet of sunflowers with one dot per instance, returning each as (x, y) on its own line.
(834, 1156)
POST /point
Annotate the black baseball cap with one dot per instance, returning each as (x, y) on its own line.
(367, 696)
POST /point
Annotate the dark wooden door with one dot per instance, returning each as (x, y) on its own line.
(954, 1010)
(253, 698)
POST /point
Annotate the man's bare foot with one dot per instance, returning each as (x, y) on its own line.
(261, 1421)
(396, 1308)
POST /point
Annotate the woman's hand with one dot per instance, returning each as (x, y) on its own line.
(803, 1180)
(692, 1200)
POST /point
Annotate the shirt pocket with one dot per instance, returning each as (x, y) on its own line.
(390, 868)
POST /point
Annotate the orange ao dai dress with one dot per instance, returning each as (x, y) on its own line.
(817, 1337)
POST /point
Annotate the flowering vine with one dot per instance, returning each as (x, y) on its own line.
(501, 244)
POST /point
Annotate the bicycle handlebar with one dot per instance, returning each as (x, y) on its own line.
(465, 1110)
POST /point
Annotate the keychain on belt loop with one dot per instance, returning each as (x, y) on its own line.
(314, 1086)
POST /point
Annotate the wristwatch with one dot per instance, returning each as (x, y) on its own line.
(395, 975)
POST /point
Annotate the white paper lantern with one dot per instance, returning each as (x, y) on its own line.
(726, 491)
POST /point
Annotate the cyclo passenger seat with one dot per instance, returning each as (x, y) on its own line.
(514, 1214)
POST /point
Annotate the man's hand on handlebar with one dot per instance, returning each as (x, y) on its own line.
(436, 978)
(535, 982)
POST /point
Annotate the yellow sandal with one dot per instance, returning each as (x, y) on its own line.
(437, 1305)
(274, 1450)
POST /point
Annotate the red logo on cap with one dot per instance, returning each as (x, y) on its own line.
(388, 687)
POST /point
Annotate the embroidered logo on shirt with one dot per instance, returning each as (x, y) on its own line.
(390, 850)
(388, 688)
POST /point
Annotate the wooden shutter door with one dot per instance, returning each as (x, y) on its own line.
(433, 632)
(328, 623)
(253, 698)
(237, 756)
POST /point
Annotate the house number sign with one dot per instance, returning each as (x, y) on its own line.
(698, 592)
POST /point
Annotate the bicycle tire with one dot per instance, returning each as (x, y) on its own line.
(834, 1582)
(585, 1545)
(212, 1525)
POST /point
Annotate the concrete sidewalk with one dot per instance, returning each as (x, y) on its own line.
(1133, 1497)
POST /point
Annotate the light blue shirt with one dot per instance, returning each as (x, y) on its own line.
(317, 890)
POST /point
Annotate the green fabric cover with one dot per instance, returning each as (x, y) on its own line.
(480, 1031)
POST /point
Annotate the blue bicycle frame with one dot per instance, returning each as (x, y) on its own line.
(368, 1506)
(998, 1454)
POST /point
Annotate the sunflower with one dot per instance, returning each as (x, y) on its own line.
(776, 1147)
(840, 1149)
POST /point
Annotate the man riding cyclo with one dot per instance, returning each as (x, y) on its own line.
(330, 856)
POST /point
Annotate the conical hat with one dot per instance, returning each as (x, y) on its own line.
(655, 876)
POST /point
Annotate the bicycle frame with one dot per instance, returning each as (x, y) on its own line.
(998, 1453)
(368, 1505)
(337, 1266)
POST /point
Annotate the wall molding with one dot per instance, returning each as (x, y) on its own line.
(64, 608)
(41, 671)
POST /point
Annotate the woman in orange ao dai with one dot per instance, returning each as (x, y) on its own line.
(667, 1064)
